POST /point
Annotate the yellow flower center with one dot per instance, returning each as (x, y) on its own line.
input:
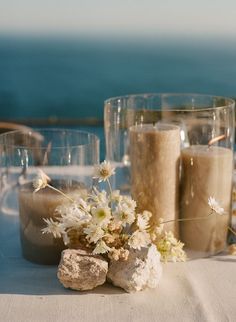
(104, 173)
(101, 214)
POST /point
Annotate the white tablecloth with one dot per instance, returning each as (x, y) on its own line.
(199, 290)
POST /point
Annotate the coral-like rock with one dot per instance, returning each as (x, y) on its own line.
(142, 270)
(80, 270)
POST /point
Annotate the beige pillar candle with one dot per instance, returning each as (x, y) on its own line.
(154, 156)
(33, 207)
(206, 172)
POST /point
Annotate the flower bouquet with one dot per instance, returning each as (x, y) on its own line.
(108, 239)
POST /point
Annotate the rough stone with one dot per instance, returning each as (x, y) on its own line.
(80, 270)
(142, 270)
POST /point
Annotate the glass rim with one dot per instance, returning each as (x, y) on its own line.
(38, 131)
(228, 101)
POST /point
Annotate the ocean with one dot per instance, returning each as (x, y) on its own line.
(69, 78)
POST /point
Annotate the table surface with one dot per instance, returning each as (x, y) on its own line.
(198, 290)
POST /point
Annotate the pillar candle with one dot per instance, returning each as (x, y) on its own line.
(33, 207)
(154, 156)
(206, 172)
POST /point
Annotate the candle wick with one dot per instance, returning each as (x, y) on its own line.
(216, 139)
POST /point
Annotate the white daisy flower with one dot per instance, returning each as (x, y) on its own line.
(128, 202)
(124, 215)
(83, 204)
(94, 233)
(214, 205)
(53, 227)
(100, 197)
(115, 196)
(101, 248)
(143, 220)
(139, 239)
(101, 215)
(170, 248)
(103, 171)
(40, 181)
(71, 215)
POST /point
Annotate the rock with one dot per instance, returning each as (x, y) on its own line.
(142, 270)
(80, 270)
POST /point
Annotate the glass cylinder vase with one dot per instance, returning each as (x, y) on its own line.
(67, 157)
(206, 130)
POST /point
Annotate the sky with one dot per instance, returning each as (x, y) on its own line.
(121, 17)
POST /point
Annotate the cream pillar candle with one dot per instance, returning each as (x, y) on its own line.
(33, 207)
(154, 156)
(206, 172)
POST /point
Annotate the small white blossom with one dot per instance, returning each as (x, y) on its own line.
(124, 215)
(83, 204)
(214, 205)
(101, 215)
(139, 239)
(101, 248)
(41, 181)
(118, 254)
(94, 233)
(72, 216)
(53, 227)
(114, 225)
(100, 198)
(103, 171)
(143, 220)
(128, 203)
(115, 196)
(170, 248)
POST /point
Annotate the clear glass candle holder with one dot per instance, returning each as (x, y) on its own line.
(206, 130)
(67, 157)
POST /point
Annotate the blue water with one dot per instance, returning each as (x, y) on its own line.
(72, 77)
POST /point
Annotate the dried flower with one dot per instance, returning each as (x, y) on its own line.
(139, 239)
(214, 205)
(124, 215)
(232, 249)
(118, 254)
(53, 227)
(100, 198)
(101, 248)
(72, 216)
(93, 233)
(104, 171)
(116, 196)
(101, 215)
(170, 248)
(143, 220)
(41, 181)
(108, 223)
